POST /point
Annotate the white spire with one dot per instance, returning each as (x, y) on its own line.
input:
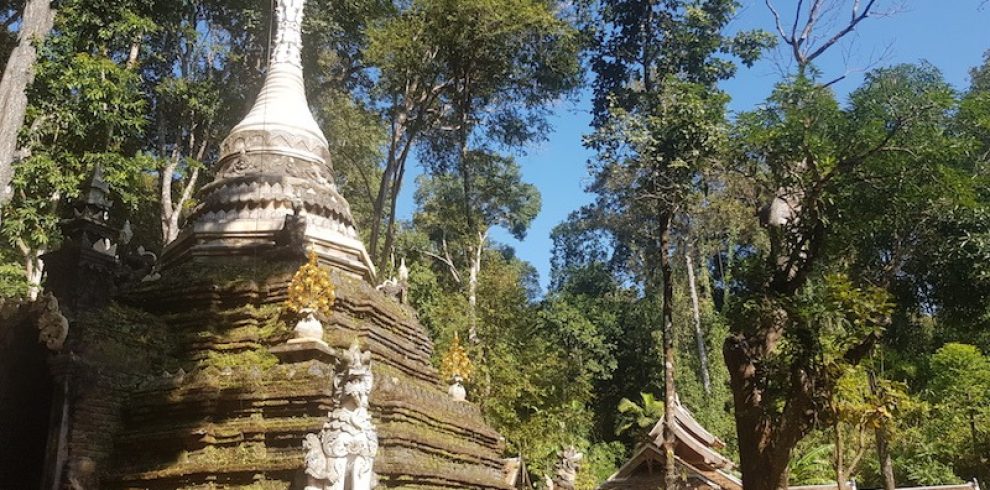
(281, 107)
(274, 186)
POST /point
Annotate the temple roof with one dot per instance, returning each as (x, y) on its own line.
(695, 453)
(697, 457)
(695, 444)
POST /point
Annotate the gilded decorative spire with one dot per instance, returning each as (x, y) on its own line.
(311, 289)
(455, 362)
(274, 179)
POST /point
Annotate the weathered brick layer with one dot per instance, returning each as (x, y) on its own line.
(183, 392)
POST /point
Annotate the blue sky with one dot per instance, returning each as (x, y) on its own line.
(951, 34)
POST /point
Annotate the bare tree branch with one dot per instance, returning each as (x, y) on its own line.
(805, 44)
(776, 19)
(856, 19)
(445, 261)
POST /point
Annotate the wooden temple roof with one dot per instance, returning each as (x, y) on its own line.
(696, 456)
(701, 465)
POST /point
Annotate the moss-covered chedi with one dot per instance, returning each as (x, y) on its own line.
(177, 383)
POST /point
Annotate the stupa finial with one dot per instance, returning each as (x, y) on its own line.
(288, 36)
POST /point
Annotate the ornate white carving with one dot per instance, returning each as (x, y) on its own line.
(344, 451)
(53, 327)
(288, 36)
(397, 288)
(126, 233)
(276, 155)
(106, 247)
(565, 472)
(280, 120)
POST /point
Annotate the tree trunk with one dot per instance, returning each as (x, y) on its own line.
(394, 201)
(726, 272)
(385, 185)
(840, 456)
(883, 446)
(165, 198)
(34, 269)
(699, 336)
(132, 57)
(886, 462)
(670, 392)
(764, 446)
(172, 231)
(17, 76)
(473, 287)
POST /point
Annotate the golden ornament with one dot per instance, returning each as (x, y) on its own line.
(311, 289)
(455, 361)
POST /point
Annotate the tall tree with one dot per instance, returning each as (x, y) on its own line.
(803, 151)
(86, 110)
(196, 61)
(461, 70)
(498, 197)
(658, 117)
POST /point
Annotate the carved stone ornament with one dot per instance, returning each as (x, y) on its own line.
(288, 37)
(275, 163)
(393, 289)
(53, 327)
(343, 454)
(280, 116)
(565, 472)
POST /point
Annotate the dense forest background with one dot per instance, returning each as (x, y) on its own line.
(833, 253)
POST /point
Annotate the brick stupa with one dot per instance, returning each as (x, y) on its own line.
(175, 385)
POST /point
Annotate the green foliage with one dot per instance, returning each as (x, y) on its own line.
(847, 192)
(639, 418)
(889, 254)
(461, 81)
(497, 61)
(839, 315)
(684, 38)
(567, 325)
(13, 283)
(498, 197)
(356, 136)
(812, 465)
(600, 461)
(958, 371)
(86, 111)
